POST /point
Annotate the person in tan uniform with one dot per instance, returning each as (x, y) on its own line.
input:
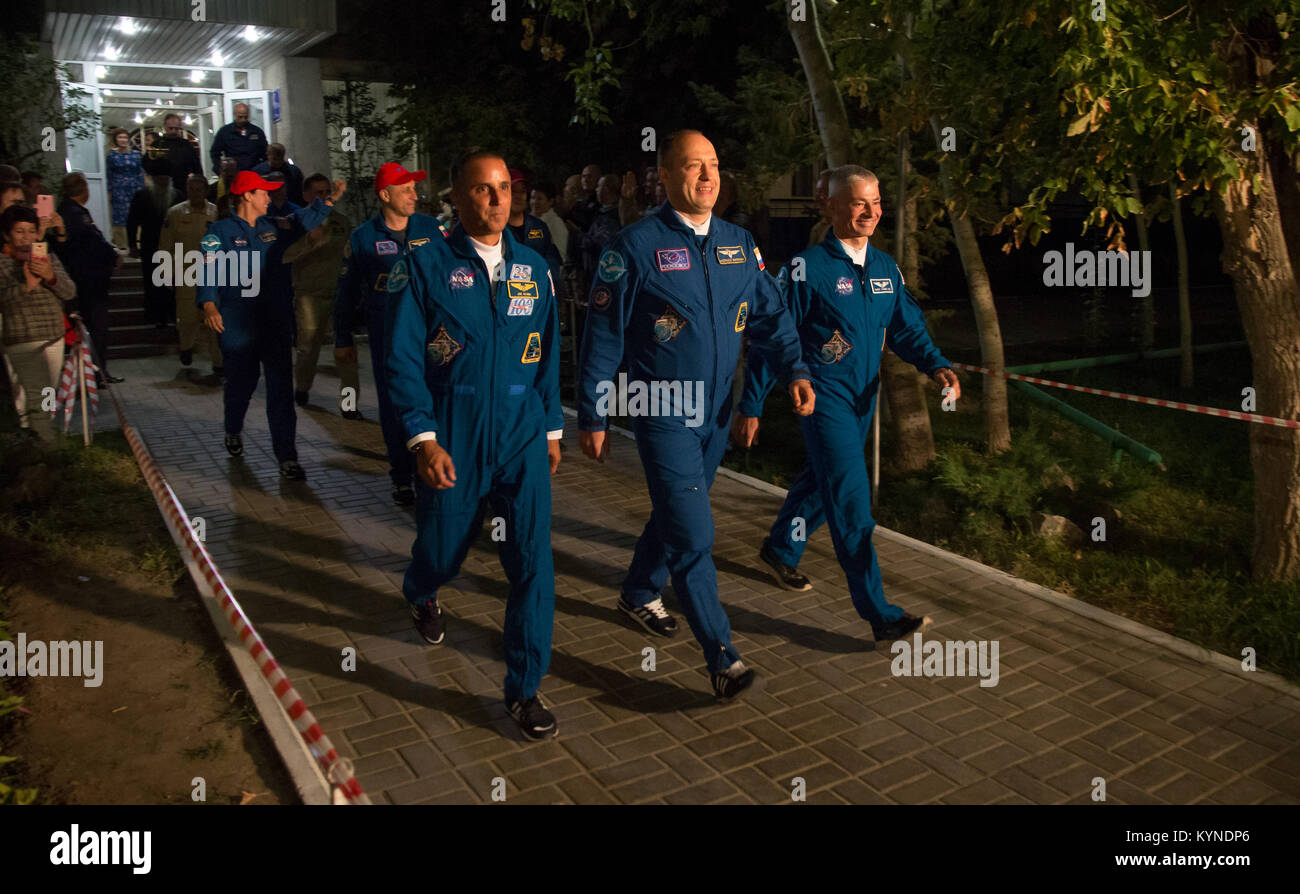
(186, 223)
(316, 261)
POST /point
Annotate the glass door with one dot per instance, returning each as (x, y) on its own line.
(86, 154)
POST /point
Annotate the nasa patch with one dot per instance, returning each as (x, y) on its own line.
(672, 259)
(461, 278)
(600, 297)
(210, 242)
(386, 247)
(843, 285)
(882, 287)
(611, 266)
(521, 271)
(731, 254)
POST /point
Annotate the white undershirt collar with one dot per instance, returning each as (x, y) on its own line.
(857, 256)
(698, 229)
(491, 255)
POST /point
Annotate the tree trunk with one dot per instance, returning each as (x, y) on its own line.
(1184, 290)
(904, 387)
(996, 420)
(828, 105)
(1147, 310)
(1256, 257)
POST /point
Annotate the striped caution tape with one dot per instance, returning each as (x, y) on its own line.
(1137, 398)
(337, 769)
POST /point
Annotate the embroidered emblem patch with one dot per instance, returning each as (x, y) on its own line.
(210, 242)
(611, 266)
(521, 289)
(521, 271)
(381, 284)
(397, 277)
(443, 347)
(673, 259)
(600, 297)
(534, 233)
(835, 349)
(843, 285)
(758, 255)
(520, 307)
(731, 254)
(882, 287)
(669, 325)
(267, 237)
(741, 316)
(532, 350)
(386, 247)
(414, 243)
(240, 242)
(461, 278)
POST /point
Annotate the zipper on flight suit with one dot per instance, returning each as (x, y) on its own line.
(713, 317)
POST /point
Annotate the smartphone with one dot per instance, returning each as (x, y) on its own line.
(44, 206)
(40, 251)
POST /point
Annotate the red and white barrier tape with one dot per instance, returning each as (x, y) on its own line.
(337, 769)
(1153, 401)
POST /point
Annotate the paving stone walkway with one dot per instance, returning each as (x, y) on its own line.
(318, 566)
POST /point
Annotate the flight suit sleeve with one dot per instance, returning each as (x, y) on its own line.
(207, 289)
(407, 326)
(347, 295)
(548, 370)
(759, 374)
(609, 312)
(906, 334)
(772, 329)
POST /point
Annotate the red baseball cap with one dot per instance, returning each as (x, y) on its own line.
(393, 174)
(517, 176)
(247, 180)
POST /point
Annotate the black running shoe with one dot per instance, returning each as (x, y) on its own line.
(904, 626)
(652, 616)
(354, 415)
(534, 720)
(403, 494)
(234, 445)
(187, 357)
(300, 398)
(291, 470)
(733, 681)
(429, 623)
(786, 575)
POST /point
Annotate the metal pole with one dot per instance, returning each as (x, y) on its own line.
(81, 378)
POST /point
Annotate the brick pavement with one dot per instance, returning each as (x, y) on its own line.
(318, 567)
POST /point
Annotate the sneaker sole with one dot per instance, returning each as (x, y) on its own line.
(644, 626)
(776, 575)
(926, 621)
(752, 689)
(555, 731)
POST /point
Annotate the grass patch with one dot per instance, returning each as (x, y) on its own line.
(1177, 548)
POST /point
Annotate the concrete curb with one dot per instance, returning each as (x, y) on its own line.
(1125, 625)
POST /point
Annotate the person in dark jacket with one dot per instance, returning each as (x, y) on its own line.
(241, 139)
(90, 260)
(277, 162)
(181, 155)
(148, 213)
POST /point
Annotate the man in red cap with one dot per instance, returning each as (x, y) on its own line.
(372, 251)
(248, 301)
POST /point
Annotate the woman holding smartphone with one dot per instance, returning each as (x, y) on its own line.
(125, 176)
(34, 290)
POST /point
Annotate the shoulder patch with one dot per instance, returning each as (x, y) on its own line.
(415, 243)
(398, 277)
(532, 350)
(741, 316)
(600, 297)
(731, 254)
(611, 266)
(758, 256)
(210, 242)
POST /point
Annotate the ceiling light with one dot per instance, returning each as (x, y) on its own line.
(137, 119)
(101, 72)
(188, 120)
(108, 92)
(197, 76)
(127, 27)
(111, 53)
(250, 34)
(218, 59)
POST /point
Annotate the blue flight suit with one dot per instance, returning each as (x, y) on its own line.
(477, 365)
(368, 259)
(534, 233)
(674, 305)
(259, 328)
(845, 314)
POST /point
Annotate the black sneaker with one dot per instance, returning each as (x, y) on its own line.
(904, 626)
(786, 575)
(354, 415)
(403, 494)
(534, 720)
(300, 398)
(187, 357)
(429, 622)
(234, 445)
(733, 681)
(291, 470)
(652, 616)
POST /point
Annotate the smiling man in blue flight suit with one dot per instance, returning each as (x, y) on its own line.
(473, 373)
(848, 300)
(252, 310)
(672, 296)
(368, 260)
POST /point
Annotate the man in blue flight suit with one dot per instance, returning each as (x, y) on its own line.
(848, 300)
(473, 373)
(527, 229)
(672, 296)
(368, 260)
(246, 298)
